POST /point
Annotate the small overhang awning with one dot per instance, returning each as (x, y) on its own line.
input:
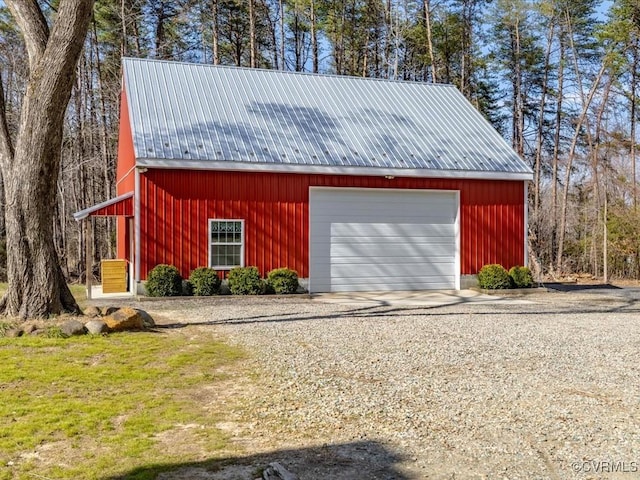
(121, 206)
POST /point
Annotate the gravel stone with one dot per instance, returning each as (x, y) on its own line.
(486, 390)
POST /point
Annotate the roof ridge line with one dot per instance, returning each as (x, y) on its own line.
(289, 72)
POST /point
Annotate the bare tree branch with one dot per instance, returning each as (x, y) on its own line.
(33, 26)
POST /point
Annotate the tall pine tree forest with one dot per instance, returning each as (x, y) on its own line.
(557, 78)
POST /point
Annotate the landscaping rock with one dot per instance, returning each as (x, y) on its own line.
(14, 333)
(72, 327)
(276, 471)
(29, 328)
(96, 327)
(92, 312)
(125, 318)
(108, 310)
(147, 320)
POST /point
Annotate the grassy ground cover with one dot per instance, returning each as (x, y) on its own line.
(94, 407)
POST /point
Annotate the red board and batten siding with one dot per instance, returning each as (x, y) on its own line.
(175, 206)
(125, 173)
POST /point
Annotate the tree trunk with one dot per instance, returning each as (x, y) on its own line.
(518, 101)
(215, 33)
(572, 153)
(273, 20)
(632, 153)
(314, 38)
(283, 63)
(253, 62)
(37, 287)
(599, 129)
(632, 134)
(556, 151)
(540, 132)
(427, 19)
(123, 25)
(161, 47)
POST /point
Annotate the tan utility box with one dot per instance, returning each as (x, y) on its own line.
(114, 276)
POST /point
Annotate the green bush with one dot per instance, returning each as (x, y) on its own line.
(187, 288)
(246, 281)
(521, 277)
(283, 280)
(204, 281)
(494, 277)
(164, 281)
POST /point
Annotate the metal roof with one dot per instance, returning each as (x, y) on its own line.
(118, 206)
(212, 116)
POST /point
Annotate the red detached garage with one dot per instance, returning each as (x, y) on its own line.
(358, 184)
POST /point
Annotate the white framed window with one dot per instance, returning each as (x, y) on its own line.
(226, 244)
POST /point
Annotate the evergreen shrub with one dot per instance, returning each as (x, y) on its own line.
(521, 277)
(204, 281)
(283, 280)
(246, 281)
(494, 277)
(164, 281)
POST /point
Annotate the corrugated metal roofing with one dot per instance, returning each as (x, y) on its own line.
(118, 206)
(193, 112)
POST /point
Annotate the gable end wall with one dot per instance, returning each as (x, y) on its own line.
(125, 174)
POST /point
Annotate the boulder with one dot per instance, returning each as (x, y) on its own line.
(30, 328)
(109, 310)
(147, 320)
(275, 471)
(72, 327)
(92, 312)
(14, 333)
(96, 327)
(125, 318)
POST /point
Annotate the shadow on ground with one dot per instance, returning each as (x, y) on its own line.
(574, 287)
(603, 305)
(368, 460)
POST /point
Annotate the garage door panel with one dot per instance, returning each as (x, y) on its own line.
(415, 251)
(391, 199)
(374, 279)
(405, 197)
(378, 240)
(374, 239)
(377, 271)
(395, 229)
(379, 252)
(356, 267)
(367, 285)
(374, 216)
(410, 260)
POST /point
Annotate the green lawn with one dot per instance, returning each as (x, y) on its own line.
(92, 407)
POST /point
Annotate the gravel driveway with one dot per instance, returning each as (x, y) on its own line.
(545, 389)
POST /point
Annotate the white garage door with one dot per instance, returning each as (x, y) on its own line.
(377, 239)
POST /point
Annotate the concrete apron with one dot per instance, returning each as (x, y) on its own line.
(425, 298)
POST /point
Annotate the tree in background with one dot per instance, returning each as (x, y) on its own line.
(30, 158)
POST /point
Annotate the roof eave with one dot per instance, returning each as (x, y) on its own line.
(330, 170)
(82, 214)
